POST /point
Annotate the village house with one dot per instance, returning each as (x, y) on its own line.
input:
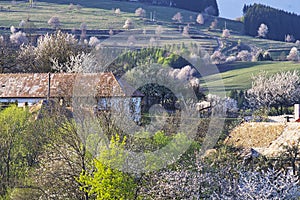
(104, 89)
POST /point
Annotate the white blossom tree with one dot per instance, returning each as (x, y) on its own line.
(158, 31)
(293, 55)
(140, 12)
(263, 30)
(278, 90)
(244, 56)
(54, 22)
(59, 46)
(214, 24)
(289, 38)
(217, 57)
(128, 24)
(200, 19)
(94, 41)
(18, 38)
(230, 59)
(203, 182)
(117, 11)
(81, 63)
(177, 17)
(185, 31)
(226, 33)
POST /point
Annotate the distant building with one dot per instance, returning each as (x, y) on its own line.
(105, 90)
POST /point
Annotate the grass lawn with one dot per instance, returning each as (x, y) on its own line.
(238, 75)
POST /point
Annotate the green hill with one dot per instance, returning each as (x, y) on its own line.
(238, 75)
(99, 15)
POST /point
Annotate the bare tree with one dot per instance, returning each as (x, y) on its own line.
(263, 31)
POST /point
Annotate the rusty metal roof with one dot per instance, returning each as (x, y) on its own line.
(35, 85)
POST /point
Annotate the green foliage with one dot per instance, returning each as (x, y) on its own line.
(107, 182)
(146, 56)
(160, 139)
(13, 155)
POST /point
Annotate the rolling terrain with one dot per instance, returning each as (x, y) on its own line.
(99, 17)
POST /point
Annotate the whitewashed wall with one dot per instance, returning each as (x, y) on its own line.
(128, 106)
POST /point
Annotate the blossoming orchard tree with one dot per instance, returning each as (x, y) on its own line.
(200, 19)
(293, 55)
(263, 31)
(278, 90)
(177, 17)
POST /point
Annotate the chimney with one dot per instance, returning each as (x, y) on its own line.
(297, 111)
(49, 80)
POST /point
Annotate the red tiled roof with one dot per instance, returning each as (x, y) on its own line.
(63, 85)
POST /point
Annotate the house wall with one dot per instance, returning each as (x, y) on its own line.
(128, 106)
(21, 101)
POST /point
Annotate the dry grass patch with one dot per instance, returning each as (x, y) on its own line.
(249, 135)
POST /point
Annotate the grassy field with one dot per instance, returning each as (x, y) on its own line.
(97, 14)
(238, 75)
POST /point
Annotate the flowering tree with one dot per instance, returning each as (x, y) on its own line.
(185, 31)
(83, 28)
(278, 90)
(263, 30)
(18, 38)
(214, 24)
(117, 11)
(54, 22)
(204, 182)
(128, 24)
(177, 17)
(226, 33)
(94, 41)
(59, 46)
(158, 31)
(200, 19)
(289, 38)
(244, 56)
(293, 55)
(217, 57)
(140, 12)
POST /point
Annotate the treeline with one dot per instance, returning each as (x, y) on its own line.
(279, 22)
(193, 5)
